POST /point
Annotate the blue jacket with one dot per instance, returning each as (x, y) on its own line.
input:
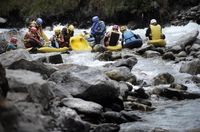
(128, 37)
(98, 28)
(10, 46)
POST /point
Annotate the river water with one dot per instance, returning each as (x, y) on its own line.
(171, 115)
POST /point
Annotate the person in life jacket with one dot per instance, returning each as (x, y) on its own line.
(112, 37)
(67, 33)
(98, 29)
(38, 24)
(154, 31)
(129, 39)
(32, 39)
(57, 40)
(12, 45)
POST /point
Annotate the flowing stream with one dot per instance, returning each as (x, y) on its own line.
(171, 115)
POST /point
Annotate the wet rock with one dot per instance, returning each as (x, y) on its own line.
(178, 86)
(55, 59)
(87, 83)
(34, 66)
(120, 74)
(192, 68)
(182, 54)
(143, 49)
(20, 80)
(195, 47)
(107, 127)
(151, 54)
(116, 56)
(105, 56)
(176, 49)
(114, 117)
(86, 107)
(129, 62)
(74, 125)
(168, 56)
(196, 79)
(12, 56)
(130, 116)
(138, 93)
(99, 48)
(138, 106)
(163, 78)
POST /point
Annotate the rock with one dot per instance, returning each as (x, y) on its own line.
(143, 49)
(182, 54)
(107, 127)
(34, 66)
(192, 68)
(20, 80)
(99, 48)
(176, 49)
(130, 116)
(163, 78)
(116, 56)
(196, 79)
(195, 47)
(87, 83)
(150, 54)
(14, 55)
(139, 93)
(119, 74)
(114, 117)
(105, 56)
(178, 86)
(3, 20)
(138, 106)
(168, 56)
(85, 107)
(129, 62)
(55, 59)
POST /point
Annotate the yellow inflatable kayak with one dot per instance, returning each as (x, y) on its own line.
(49, 49)
(79, 43)
(158, 42)
(114, 48)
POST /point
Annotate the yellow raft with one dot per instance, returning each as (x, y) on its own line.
(114, 48)
(79, 43)
(50, 49)
(158, 42)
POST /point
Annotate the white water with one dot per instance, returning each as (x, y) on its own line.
(171, 115)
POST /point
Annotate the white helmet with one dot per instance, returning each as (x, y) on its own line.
(153, 21)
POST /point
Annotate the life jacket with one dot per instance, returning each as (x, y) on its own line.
(155, 32)
(114, 38)
(128, 36)
(98, 28)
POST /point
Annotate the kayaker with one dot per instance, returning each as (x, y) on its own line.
(129, 39)
(67, 33)
(98, 29)
(112, 37)
(154, 31)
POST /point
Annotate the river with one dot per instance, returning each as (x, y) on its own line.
(170, 115)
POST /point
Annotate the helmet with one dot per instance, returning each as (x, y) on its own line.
(33, 29)
(95, 19)
(123, 28)
(71, 28)
(39, 21)
(153, 21)
(115, 27)
(57, 30)
(13, 40)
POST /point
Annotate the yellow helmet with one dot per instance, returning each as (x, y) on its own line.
(123, 28)
(57, 30)
(71, 28)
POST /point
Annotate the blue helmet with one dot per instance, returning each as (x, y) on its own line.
(95, 19)
(39, 21)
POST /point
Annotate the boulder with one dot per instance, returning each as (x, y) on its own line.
(87, 83)
(12, 56)
(163, 78)
(33, 66)
(107, 127)
(4, 87)
(85, 107)
(168, 56)
(192, 68)
(129, 62)
(151, 53)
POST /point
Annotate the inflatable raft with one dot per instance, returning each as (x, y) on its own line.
(158, 42)
(79, 43)
(114, 48)
(48, 49)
